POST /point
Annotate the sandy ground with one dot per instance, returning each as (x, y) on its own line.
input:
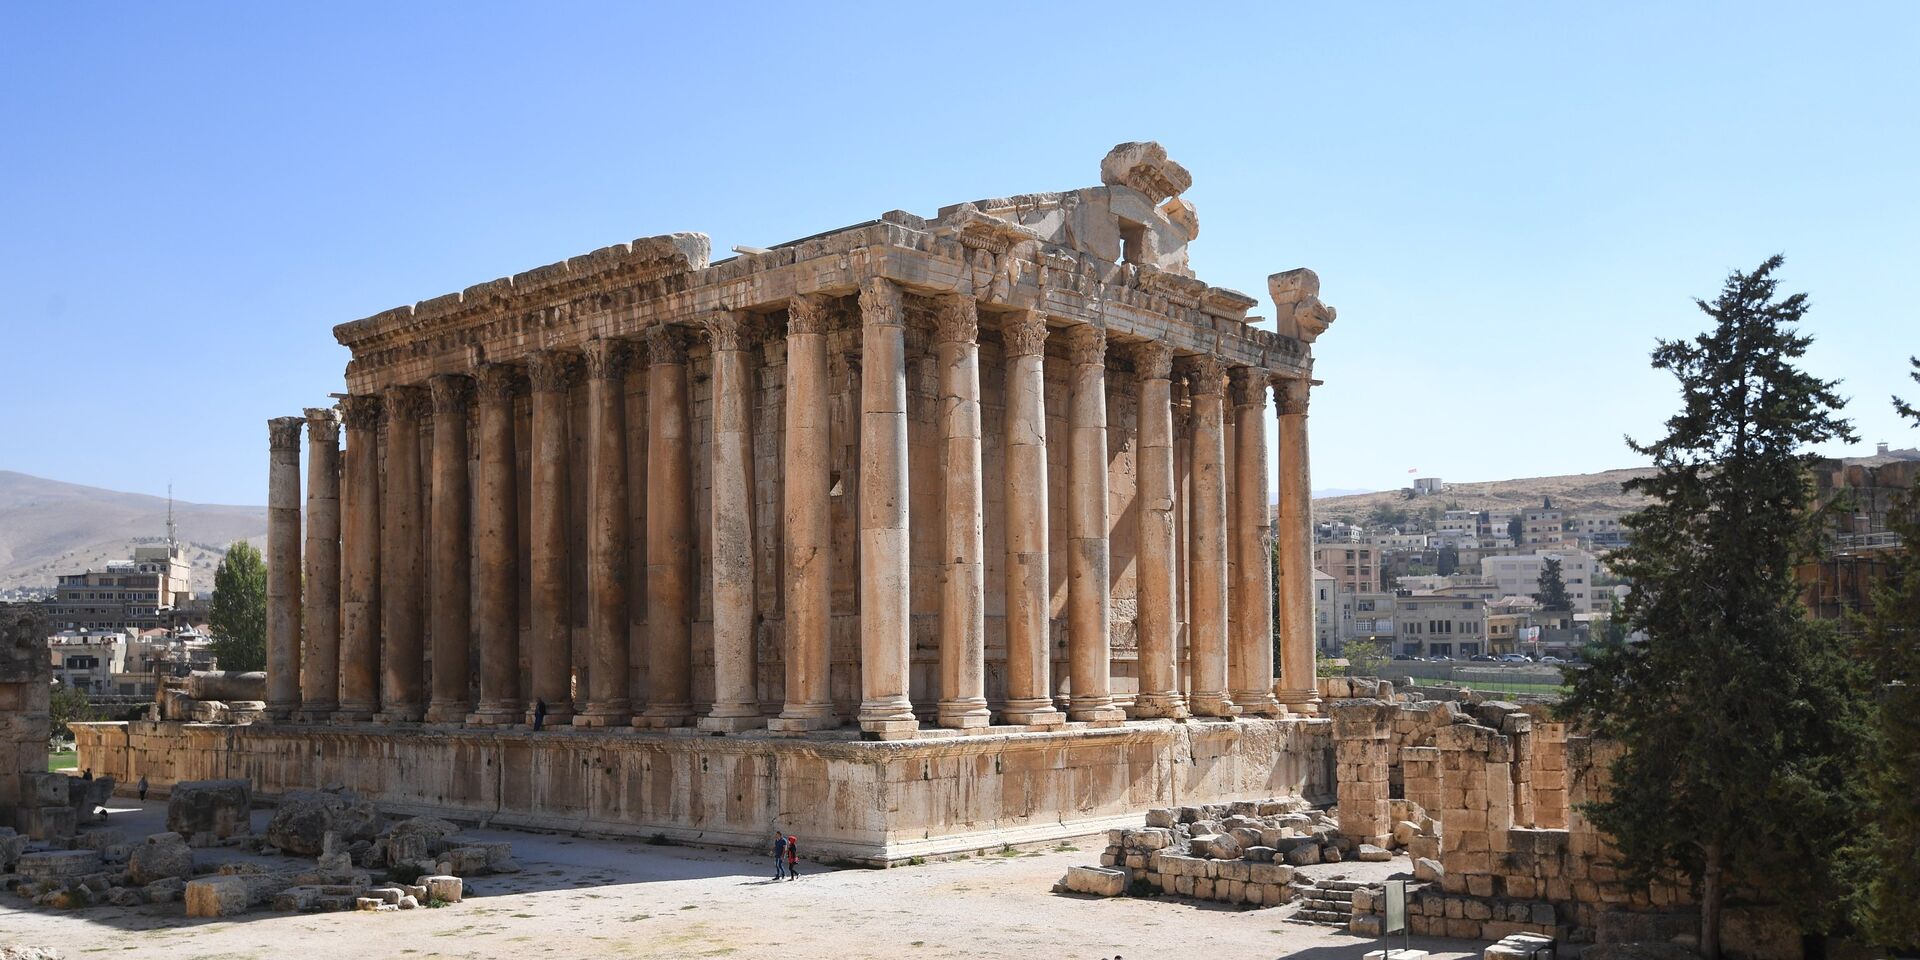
(594, 898)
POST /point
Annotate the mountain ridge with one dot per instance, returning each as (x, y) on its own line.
(51, 527)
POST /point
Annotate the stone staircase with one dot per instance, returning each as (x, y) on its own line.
(1326, 903)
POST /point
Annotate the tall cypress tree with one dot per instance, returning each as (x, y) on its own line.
(1890, 647)
(1738, 718)
(238, 615)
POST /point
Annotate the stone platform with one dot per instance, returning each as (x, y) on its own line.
(868, 802)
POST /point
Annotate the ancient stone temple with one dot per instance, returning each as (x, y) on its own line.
(911, 533)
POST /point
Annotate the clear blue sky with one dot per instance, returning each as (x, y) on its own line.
(1507, 203)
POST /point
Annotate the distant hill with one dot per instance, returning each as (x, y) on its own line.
(49, 528)
(1597, 492)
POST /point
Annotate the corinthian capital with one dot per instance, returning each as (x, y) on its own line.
(1290, 395)
(666, 345)
(283, 433)
(1025, 334)
(498, 381)
(407, 403)
(361, 411)
(806, 314)
(552, 371)
(1153, 360)
(1087, 344)
(731, 330)
(880, 302)
(1206, 375)
(958, 320)
(323, 426)
(1247, 386)
(607, 359)
(451, 394)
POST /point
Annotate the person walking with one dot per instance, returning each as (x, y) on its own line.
(88, 775)
(793, 858)
(143, 788)
(539, 714)
(779, 855)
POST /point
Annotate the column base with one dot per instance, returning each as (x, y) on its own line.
(351, 712)
(317, 712)
(1305, 702)
(804, 717)
(1215, 705)
(964, 714)
(1094, 710)
(556, 717)
(403, 713)
(1159, 706)
(616, 713)
(496, 713)
(737, 723)
(282, 711)
(1032, 713)
(447, 713)
(1258, 704)
(889, 729)
(665, 716)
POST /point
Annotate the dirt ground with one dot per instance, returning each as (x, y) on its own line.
(595, 898)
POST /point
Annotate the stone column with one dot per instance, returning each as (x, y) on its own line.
(608, 704)
(1296, 688)
(450, 606)
(283, 568)
(1251, 672)
(550, 656)
(1089, 630)
(670, 546)
(963, 610)
(1361, 731)
(808, 477)
(1208, 542)
(1549, 774)
(1029, 590)
(403, 587)
(1154, 506)
(360, 556)
(736, 701)
(885, 641)
(320, 611)
(497, 551)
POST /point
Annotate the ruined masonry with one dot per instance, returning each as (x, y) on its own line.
(934, 524)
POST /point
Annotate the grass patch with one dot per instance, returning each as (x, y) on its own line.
(1496, 686)
(62, 760)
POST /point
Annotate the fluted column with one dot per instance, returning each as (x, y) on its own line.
(808, 477)
(1153, 498)
(885, 644)
(608, 703)
(670, 545)
(550, 653)
(403, 588)
(283, 567)
(360, 560)
(1029, 665)
(1297, 688)
(1251, 673)
(320, 607)
(963, 611)
(1208, 542)
(736, 701)
(1089, 629)
(497, 551)
(450, 607)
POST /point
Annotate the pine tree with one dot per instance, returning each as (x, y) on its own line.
(1737, 713)
(1890, 648)
(1553, 588)
(239, 611)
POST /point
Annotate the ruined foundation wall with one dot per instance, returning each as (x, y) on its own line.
(867, 801)
(26, 672)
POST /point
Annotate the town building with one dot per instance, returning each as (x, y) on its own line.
(1328, 613)
(1434, 626)
(1519, 575)
(88, 660)
(136, 594)
(1544, 528)
(1354, 567)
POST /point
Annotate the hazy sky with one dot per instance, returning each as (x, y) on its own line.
(1506, 203)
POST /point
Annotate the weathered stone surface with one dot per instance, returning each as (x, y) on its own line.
(1426, 870)
(1143, 166)
(1096, 881)
(160, 856)
(443, 888)
(165, 891)
(215, 809)
(304, 817)
(1368, 853)
(59, 865)
(218, 896)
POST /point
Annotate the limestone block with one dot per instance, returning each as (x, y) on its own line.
(1203, 888)
(1331, 854)
(368, 903)
(1480, 885)
(1258, 854)
(12, 846)
(47, 823)
(162, 855)
(218, 896)
(1096, 881)
(390, 893)
(1426, 869)
(1162, 817)
(164, 891)
(409, 902)
(1368, 853)
(1143, 166)
(210, 808)
(1305, 854)
(304, 817)
(59, 866)
(443, 888)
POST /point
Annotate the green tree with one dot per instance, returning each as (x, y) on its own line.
(1736, 710)
(238, 617)
(1890, 648)
(1364, 657)
(1516, 531)
(1447, 560)
(1553, 588)
(68, 705)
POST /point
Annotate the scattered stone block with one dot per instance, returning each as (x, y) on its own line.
(1097, 881)
(1368, 853)
(218, 896)
(165, 890)
(162, 855)
(303, 819)
(59, 866)
(444, 888)
(1427, 870)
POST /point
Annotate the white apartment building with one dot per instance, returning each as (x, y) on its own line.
(1519, 575)
(88, 659)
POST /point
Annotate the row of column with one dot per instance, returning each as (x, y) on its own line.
(366, 609)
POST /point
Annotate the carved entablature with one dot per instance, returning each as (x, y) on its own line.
(1086, 344)
(1024, 334)
(957, 320)
(1206, 375)
(323, 426)
(452, 392)
(552, 371)
(360, 411)
(1152, 360)
(283, 433)
(408, 402)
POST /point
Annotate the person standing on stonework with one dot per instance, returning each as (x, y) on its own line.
(793, 858)
(143, 788)
(539, 714)
(779, 855)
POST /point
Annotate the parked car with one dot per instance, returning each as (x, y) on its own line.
(1404, 656)
(1441, 656)
(1551, 659)
(1483, 658)
(1515, 658)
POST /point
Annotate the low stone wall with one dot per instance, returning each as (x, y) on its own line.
(868, 802)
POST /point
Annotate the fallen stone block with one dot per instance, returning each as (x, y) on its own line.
(304, 817)
(445, 889)
(59, 866)
(1427, 870)
(218, 809)
(218, 896)
(165, 891)
(1096, 881)
(159, 856)
(368, 903)
(1304, 855)
(1368, 853)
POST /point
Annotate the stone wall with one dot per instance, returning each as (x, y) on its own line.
(871, 802)
(26, 672)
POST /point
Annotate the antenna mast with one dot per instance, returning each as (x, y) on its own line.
(170, 525)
